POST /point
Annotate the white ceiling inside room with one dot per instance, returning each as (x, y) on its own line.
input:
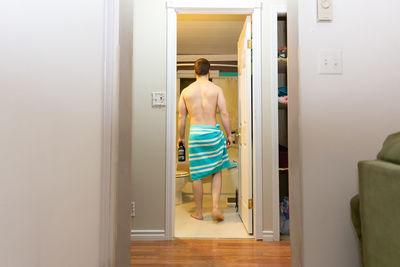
(208, 34)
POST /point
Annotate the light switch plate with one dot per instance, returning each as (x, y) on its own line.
(325, 10)
(159, 99)
(330, 62)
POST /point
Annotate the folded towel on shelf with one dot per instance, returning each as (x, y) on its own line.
(283, 99)
(282, 91)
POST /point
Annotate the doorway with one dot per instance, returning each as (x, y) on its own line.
(253, 201)
(216, 37)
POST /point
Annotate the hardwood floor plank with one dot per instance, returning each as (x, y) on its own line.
(210, 252)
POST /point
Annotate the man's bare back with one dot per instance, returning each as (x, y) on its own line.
(201, 100)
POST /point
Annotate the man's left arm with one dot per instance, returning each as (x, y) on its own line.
(224, 116)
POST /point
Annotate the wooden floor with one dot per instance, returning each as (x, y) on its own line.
(210, 252)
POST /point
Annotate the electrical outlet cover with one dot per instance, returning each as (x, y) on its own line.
(159, 99)
(330, 62)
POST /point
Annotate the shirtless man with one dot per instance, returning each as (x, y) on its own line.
(200, 100)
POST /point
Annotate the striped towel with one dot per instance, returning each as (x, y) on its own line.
(207, 151)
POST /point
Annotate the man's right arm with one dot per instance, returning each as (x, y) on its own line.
(224, 116)
(181, 119)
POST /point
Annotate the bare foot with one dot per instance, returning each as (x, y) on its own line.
(217, 215)
(196, 216)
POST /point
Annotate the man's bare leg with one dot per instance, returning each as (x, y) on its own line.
(198, 199)
(216, 192)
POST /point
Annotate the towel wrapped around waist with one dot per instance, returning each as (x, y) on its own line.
(208, 153)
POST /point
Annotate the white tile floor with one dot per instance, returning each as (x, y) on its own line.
(186, 226)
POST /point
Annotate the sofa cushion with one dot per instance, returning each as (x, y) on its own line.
(391, 149)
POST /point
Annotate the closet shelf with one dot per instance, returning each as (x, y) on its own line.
(282, 64)
(282, 105)
(283, 169)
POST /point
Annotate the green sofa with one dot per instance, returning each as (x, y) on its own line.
(375, 211)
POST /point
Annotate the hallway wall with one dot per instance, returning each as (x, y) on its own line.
(50, 114)
(148, 145)
(342, 118)
(149, 124)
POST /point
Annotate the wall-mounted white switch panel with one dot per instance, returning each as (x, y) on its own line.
(330, 62)
(325, 10)
(159, 99)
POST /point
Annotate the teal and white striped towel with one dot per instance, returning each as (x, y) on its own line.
(208, 153)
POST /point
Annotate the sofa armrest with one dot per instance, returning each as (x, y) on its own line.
(380, 212)
(356, 219)
(355, 215)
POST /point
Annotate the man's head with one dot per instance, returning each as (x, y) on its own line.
(201, 67)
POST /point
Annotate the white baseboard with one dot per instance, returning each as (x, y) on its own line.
(268, 236)
(147, 235)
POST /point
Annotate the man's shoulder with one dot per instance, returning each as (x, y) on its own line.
(185, 90)
(216, 87)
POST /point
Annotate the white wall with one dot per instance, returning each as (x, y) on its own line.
(343, 118)
(51, 75)
(149, 124)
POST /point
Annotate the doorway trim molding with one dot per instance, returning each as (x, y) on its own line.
(276, 10)
(209, 7)
(109, 130)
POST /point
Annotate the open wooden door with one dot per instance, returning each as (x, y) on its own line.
(245, 127)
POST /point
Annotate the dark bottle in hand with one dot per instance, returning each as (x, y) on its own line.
(181, 152)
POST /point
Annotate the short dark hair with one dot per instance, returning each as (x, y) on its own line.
(201, 66)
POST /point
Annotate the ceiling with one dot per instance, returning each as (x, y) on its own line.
(208, 34)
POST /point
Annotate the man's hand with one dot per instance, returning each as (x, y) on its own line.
(229, 141)
(180, 141)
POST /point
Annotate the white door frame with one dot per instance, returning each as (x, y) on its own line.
(228, 7)
(109, 150)
(275, 11)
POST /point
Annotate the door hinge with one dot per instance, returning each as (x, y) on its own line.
(133, 209)
(249, 44)
(250, 203)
